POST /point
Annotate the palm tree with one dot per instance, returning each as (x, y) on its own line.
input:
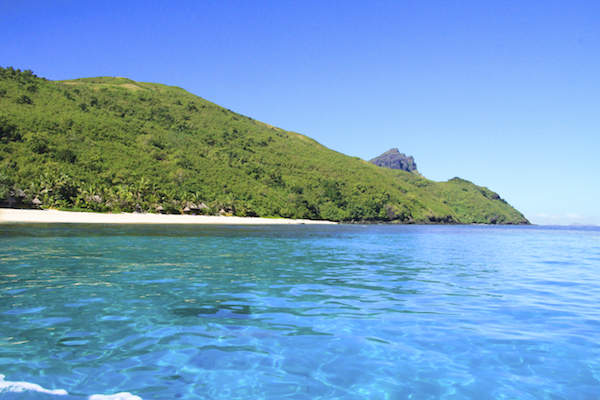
(140, 189)
(184, 198)
(125, 197)
(34, 190)
(89, 195)
(170, 200)
(110, 196)
(4, 187)
(47, 185)
(83, 195)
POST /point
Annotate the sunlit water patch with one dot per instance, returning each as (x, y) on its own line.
(420, 312)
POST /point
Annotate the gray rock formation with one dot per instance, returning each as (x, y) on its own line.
(395, 160)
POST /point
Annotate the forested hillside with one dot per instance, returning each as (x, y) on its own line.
(113, 144)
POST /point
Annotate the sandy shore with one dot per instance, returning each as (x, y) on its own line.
(68, 217)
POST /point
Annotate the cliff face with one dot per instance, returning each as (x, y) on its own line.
(393, 159)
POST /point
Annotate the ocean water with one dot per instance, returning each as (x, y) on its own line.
(299, 312)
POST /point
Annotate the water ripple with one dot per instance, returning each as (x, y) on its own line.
(302, 312)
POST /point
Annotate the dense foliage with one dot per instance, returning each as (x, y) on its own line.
(113, 144)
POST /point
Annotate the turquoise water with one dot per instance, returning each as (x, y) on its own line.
(300, 312)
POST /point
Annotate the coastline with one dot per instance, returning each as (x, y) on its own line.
(74, 217)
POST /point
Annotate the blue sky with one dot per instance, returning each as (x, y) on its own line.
(505, 94)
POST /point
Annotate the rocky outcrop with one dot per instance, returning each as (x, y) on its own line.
(395, 160)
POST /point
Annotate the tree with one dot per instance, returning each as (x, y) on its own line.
(8, 131)
(4, 186)
(24, 99)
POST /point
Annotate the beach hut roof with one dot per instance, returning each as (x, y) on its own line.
(36, 201)
(20, 193)
(202, 205)
(186, 209)
(160, 208)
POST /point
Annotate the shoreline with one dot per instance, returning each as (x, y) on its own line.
(76, 217)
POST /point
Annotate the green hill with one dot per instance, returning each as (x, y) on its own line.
(113, 144)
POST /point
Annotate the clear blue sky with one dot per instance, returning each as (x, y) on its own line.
(505, 94)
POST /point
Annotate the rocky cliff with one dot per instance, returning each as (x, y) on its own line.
(395, 160)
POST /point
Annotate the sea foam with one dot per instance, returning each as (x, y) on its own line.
(21, 386)
(8, 386)
(118, 396)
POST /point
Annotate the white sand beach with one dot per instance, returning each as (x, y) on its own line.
(69, 217)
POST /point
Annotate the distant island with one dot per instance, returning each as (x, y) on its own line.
(111, 144)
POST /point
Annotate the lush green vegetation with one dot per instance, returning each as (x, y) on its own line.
(113, 144)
